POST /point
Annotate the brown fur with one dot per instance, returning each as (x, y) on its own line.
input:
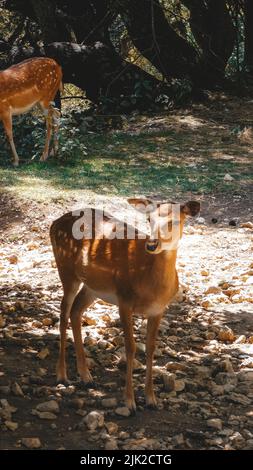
(121, 270)
(22, 86)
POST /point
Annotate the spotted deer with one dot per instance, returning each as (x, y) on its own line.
(24, 85)
(138, 274)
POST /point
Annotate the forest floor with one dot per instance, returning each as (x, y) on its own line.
(204, 352)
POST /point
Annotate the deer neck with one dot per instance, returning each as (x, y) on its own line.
(164, 267)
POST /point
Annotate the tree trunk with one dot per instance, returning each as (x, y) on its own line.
(46, 16)
(248, 57)
(98, 70)
(151, 33)
(214, 32)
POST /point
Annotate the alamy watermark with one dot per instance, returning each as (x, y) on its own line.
(149, 221)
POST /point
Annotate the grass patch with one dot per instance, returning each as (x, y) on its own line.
(165, 163)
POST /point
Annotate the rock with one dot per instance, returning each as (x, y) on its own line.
(141, 347)
(179, 385)
(2, 321)
(237, 440)
(123, 411)
(47, 321)
(201, 220)
(215, 423)
(77, 403)
(11, 425)
(213, 290)
(44, 415)
(81, 412)
(109, 402)
(48, 406)
(227, 366)
(5, 389)
(245, 375)
(169, 380)
(13, 259)
(6, 410)
(175, 366)
(238, 398)
(178, 439)
(43, 353)
(31, 442)
(226, 334)
(111, 444)
(207, 303)
(241, 339)
(17, 390)
(247, 225)
(112, 427)
(228, 177)
(232, 223)
(204, 272)
(94, 420)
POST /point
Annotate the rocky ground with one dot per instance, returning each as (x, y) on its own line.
(204, 358)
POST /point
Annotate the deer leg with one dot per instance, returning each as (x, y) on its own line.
(7, 122)
(152, 330)
(48, 111)
(127, 324)
(66, 305)
(82, 301)
(56, 125)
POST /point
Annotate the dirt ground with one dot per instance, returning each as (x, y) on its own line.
(204, 351)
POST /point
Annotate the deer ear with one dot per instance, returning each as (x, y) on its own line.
(190, 208)
(142, 205)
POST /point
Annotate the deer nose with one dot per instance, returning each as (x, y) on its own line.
(151, 245)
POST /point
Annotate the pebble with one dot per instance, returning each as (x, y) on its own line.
(111, 427)
(94, 420)
(44, 415)
(111, 444)
(31, 442)
(48, 406)
(17, 390)
(215, 423)
(109, 402)
(123, 411)
(11, 425)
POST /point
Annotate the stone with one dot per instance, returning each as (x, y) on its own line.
(228, 177)
(17, 390)
(241, 339)
(43, 353)
(5, 389)
(179, 385)
(11, 425)
(48, 406)
(123, 411)
(226, 334)
(111, 427)
(169, 381)
(13, 259)
(45, 415)
(215, 423)
(94, 420)
(213, 290)
(31, 442)
(245, 375)
(111, 444)
(109, 402)
(47, 321)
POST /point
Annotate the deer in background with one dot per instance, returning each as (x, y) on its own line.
(139, 275)
(22, 86)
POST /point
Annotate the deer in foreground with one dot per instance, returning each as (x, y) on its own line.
(24, 85)
(139, 275)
